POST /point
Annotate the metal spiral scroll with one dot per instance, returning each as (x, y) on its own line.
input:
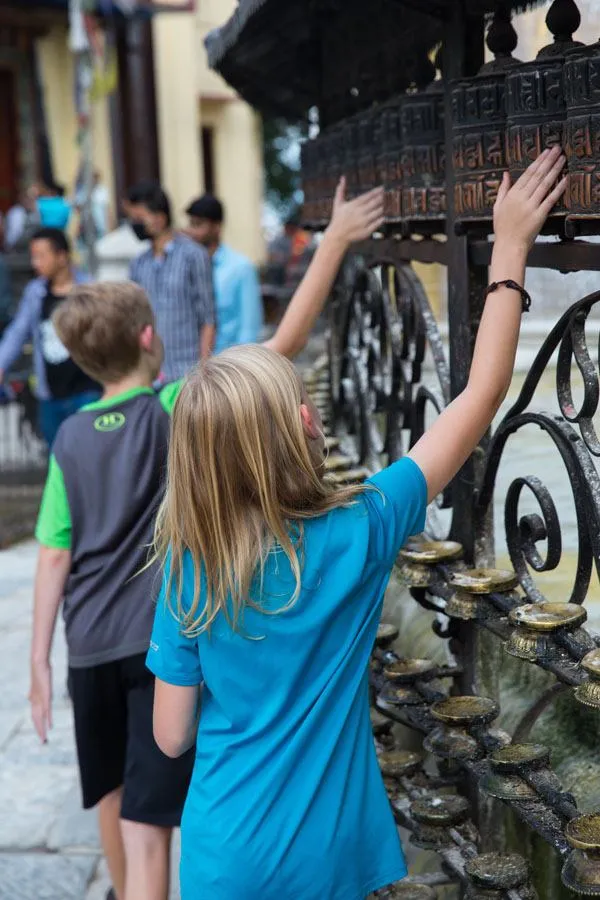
(380, 326)
(574, 436)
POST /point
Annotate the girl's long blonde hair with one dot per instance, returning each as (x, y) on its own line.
(242, 475)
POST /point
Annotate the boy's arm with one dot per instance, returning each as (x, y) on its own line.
(18, 332)
(351, 221)
(519, 214)
(51, 576)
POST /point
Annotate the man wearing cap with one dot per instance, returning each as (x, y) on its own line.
(239, 310)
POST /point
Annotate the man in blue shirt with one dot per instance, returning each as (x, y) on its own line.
(239, 309)
(61, 387)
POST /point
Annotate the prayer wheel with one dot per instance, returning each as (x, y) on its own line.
(582, 134)
(479, 129)
(424, 157)
(350, 163)
(368, 136)
(390, 169)
(535, 96)
(308, 156)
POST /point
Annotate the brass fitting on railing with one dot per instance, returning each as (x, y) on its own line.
(508, 765)
(418, 559)
(408, 892)
(536, 626)
(588, 692)
(434, 817)
(460, 717)
(386, 635)
(581, 871)
(472, 587)
(492, 874)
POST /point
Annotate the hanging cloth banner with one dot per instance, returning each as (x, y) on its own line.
(78, 40)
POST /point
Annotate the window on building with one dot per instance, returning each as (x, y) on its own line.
(208, 159)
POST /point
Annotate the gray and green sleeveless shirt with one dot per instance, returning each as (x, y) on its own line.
(105, 482)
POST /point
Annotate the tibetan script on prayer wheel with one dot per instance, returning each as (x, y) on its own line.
(368, 131)
(582, 133)
(391, 169)
(423, 156)
(350, 158)
(536, 113)
(479, 145)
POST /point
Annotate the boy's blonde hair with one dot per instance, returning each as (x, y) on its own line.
(242, 475)
(100, 325)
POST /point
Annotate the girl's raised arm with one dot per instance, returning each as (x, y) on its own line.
(519, 214)
(351, 221)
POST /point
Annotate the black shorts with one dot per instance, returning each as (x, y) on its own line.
(112, 706)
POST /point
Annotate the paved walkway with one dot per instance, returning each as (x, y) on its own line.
(49, 848)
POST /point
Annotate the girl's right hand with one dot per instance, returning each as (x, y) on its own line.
(521, 210)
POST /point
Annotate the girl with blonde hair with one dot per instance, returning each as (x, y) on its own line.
(273, 588)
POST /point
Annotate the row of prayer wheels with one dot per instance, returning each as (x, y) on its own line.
(501, 119)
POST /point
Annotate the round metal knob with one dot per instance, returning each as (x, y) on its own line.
(434, 816)
(518, 758)
(498, 871)
(581, 871)
(399, 763)
(536, 623)
(418, 557)
(407, 671)
(588, 693)
(458, 715)
(386, 634)
(471, 589)
(337, 462)
(507, 765)
(408, 892)
(466, 711)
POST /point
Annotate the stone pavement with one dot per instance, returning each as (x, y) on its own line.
(49, 848)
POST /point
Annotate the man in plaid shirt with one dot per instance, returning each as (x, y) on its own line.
(177, 276)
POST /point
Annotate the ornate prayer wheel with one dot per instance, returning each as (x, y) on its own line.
(309, 156)
(424, 157)
(582, 133)
(368, 127)
(350, 161)
(390, 167)
(479, 128)
(535, 96)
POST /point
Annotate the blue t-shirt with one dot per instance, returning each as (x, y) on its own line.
(287, 798)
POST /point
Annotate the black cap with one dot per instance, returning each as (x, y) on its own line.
(206, 207)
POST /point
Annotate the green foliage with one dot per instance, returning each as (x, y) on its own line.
(282, 166)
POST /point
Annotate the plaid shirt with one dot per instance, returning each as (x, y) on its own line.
(179, 285)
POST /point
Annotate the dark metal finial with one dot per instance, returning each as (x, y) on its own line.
(501, 37)
(563, 20)
(438, 60)
(424, 72)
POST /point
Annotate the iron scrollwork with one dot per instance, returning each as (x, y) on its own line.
(381, 325)
(574, 437)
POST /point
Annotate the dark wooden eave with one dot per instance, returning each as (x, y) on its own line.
(277, 54)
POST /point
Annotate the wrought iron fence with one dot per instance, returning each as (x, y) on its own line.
(23, 461)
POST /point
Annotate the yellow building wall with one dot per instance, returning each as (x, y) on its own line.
(176, 54)
(189, 96)
(57, 76)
